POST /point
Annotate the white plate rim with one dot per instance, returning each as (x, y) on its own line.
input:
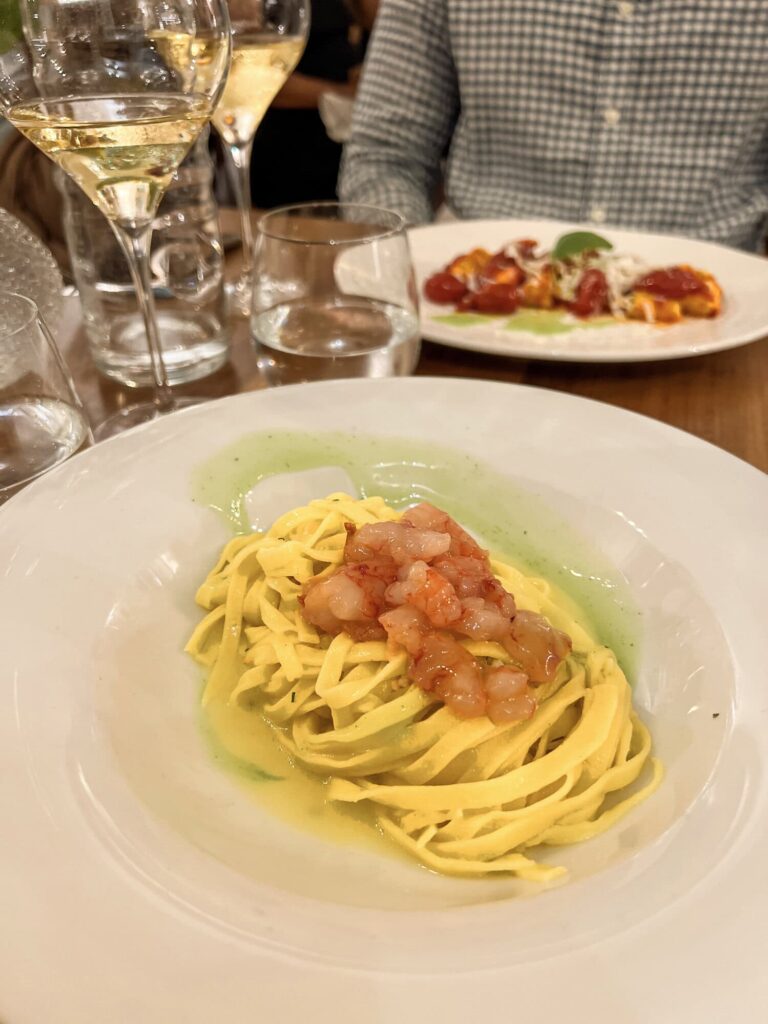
(519, 345)
(662, 432)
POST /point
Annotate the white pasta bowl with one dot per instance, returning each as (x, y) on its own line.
(142, 876)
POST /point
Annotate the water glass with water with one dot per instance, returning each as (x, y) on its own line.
(187, 263)
(334, 294)
(42, 421)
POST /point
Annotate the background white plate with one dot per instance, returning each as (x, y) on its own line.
(139, 883)
(744, 279)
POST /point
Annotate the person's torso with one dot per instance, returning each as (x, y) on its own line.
(640, 112)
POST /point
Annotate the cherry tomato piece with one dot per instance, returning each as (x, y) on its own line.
(672, 283)
(444, 288)
(591, 294)
(496, 298)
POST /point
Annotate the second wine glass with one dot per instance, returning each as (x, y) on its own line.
(268, 39)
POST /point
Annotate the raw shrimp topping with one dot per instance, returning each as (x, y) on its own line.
(424, 584)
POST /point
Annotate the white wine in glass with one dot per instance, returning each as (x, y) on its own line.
(260, 68)
(121, 150)
(96, 87)
(268, 39)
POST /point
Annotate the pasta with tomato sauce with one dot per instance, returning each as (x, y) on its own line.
(581, 275)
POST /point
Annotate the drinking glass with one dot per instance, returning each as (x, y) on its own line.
(334, 294)
(268, 38)
(116, 92)
(41, 419)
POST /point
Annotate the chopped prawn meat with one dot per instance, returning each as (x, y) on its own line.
(423, 583)
(429, 592)
(401, 542)
(481, 620)
(351, 600)
(426, 517)
(536, 646)
(406, 626)
(447, 669)
(509, 695)
(466, 574)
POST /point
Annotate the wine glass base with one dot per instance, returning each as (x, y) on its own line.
(136, 415)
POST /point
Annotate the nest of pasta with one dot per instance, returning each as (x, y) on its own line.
(464, 796)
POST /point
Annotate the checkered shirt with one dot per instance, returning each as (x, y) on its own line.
(642, 113)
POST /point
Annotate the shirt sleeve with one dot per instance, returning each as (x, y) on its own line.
(405, 112)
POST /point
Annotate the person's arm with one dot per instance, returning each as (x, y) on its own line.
(405, 112)
(303, 92)
(364, 12)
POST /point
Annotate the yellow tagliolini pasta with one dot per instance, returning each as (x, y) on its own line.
(466, 797)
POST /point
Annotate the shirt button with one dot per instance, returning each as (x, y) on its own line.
(611, 116)
(597, 214)
(626, 10)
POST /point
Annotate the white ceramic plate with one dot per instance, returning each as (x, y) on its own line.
(744, 280)
(139, 882)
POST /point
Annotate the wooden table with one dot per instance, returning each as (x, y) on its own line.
(722, 398)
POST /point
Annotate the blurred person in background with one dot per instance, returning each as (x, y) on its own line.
(294, 158)
(643, 113)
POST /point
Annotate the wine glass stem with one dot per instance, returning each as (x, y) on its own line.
(239, 160)
(135, 242)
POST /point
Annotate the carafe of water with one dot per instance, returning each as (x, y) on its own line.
(187, 265)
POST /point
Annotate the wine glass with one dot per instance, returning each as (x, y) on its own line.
(268, 38)
(116, 92)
